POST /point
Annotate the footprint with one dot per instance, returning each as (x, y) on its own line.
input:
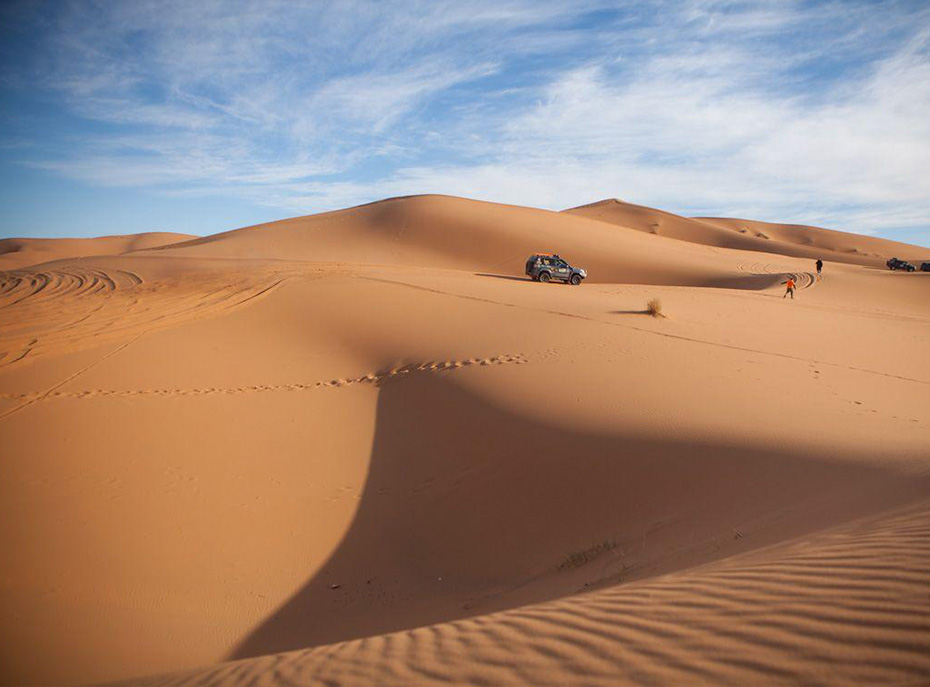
(376, 378)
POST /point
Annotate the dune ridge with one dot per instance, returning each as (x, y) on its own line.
(462, 234)
(785, 239)
(16, 253)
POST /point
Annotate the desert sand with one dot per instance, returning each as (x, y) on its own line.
(362, 448)
(16, 253)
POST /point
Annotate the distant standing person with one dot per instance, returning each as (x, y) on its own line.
(819, 267)
(790, 288)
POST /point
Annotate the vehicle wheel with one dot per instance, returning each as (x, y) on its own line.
(544, 277)
(576, 279)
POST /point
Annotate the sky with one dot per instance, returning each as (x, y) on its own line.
(198, 117)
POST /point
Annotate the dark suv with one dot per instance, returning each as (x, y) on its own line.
(895, 264)
(544, 267)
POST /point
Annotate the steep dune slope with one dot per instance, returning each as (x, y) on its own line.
(18, 253)
(785, 239)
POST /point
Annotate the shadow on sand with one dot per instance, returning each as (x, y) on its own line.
(502, 276)
(470, 508)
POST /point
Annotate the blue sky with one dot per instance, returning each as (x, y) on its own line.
(198, 117)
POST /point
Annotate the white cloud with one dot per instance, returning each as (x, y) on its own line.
(777, 109)
(376, 100)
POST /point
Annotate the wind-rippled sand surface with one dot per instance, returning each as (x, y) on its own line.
(846, 607)
(361, 448)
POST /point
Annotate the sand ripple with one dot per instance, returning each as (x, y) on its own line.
(848, 607)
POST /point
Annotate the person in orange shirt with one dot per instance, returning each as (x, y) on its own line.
(790, 288)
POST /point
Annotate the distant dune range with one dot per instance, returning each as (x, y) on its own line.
(785, 239)
(18, 253)
(365, 438)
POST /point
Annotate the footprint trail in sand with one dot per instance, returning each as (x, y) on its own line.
(373, 378)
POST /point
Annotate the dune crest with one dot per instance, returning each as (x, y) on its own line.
(785, 239)
(18, 253)
(461, 234)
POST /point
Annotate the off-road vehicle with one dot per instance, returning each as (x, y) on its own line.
(925, 267)
(895, 264)
(545, 267)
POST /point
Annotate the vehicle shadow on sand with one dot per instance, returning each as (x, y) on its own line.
(502, 276)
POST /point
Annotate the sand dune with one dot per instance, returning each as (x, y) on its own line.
(18, 253)
(462, 234)
(837, 244)
(785, 239)
(365, 438)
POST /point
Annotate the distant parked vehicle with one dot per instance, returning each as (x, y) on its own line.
(545, 267)
(895, 264)
(925, 267)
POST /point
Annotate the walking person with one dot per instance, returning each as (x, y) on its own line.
(819, 267)
(790, 287)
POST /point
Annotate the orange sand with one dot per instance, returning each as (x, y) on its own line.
(366, 439)
(17, 253)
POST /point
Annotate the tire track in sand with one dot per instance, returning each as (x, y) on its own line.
(804, 280)
(29, 399)
(73, 308)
